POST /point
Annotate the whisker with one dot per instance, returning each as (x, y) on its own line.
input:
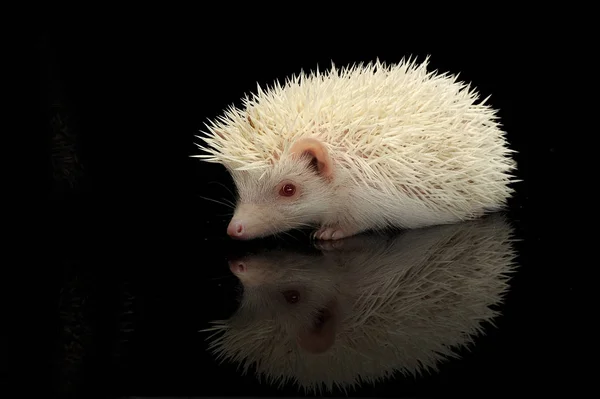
(224, 186)
(230, 202)
(293, 224)
(229, 214)
(287, 233)
(217, 201)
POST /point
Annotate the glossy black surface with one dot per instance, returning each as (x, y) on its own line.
(139, 264)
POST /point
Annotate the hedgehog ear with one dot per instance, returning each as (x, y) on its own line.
(317, 151)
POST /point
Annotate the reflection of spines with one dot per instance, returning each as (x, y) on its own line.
(126, 325)
(75, 334)
(409, 303)
(67, 167)
(125, 322)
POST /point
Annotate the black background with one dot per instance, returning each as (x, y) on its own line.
(133, 233)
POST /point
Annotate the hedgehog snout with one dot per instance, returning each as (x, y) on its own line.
(236, 229)
(237, 266)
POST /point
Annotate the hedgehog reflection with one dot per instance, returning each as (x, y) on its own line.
(366, 307)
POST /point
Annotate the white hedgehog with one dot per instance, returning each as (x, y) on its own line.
(373, 307)
(365, 148)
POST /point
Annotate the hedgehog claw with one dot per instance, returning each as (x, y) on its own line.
(329, 245)
(329, 233)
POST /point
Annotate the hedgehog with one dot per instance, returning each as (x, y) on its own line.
(370, 146)
(366, 307)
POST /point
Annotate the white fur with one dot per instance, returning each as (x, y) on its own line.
(406, 304)
(410, 148)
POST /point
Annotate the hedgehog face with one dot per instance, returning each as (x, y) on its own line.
(297, 292)
(295, 192)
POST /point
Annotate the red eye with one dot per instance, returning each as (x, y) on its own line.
(287, 190)
(291, 296)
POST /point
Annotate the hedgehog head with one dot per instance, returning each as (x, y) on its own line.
(294, 192)
(297, 294)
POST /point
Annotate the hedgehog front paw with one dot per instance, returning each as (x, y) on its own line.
(329, 245)
(330, 233)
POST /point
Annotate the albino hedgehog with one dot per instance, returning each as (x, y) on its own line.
(368, 147)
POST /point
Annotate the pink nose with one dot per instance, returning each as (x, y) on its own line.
(235, 229)
(237, 266)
